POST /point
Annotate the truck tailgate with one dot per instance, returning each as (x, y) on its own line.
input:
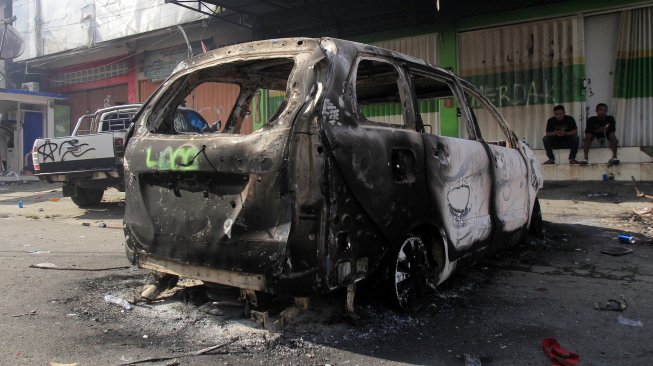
(76, 153)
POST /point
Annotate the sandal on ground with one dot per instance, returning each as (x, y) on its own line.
(583, 162)
(612, 304)
(613, 161)
(559, 355)
(573, 161)
(549, 162)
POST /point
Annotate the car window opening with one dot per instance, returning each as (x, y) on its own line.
(377, 92)
(227, 98)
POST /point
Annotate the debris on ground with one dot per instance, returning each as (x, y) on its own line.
(472, 360)
(643, 215)
(195, 353)
(118, 301)
(557, 354)
(625, 321)
(612, 304)
(616, 251)
(48, 265)
(33, 312)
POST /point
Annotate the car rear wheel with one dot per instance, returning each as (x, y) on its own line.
(86, 197)
(412, 271)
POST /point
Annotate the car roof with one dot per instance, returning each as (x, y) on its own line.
(290, 46)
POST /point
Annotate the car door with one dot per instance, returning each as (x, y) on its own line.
(510, 179)
(458, 173)
(373, 139)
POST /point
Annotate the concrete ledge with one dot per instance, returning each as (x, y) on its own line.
(634, 162)
(594, 172)
(598, 155)
(18, 178)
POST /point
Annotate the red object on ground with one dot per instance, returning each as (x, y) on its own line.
(559, 355)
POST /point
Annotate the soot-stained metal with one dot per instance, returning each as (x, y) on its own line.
(342, 182)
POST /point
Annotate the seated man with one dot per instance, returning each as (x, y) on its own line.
(561, 132)
(600, 127)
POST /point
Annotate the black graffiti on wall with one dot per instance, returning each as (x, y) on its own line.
(72, 146)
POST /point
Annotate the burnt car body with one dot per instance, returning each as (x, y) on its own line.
(347, 177)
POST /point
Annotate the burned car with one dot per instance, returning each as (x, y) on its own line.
(347, 179)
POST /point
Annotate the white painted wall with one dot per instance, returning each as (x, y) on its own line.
(51, 26)
(601, 32)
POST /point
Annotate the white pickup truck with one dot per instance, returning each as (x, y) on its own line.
(89, 161)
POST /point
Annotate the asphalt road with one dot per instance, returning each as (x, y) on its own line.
(496, 312)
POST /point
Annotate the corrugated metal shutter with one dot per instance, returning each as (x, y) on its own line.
(633, 90)
(214, 101)
(146, 88)
(89, 101)
(526, 69)
(425, 47)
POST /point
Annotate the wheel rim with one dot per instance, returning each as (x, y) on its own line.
(411, 272)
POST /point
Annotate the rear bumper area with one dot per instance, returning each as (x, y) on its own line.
(248, 281)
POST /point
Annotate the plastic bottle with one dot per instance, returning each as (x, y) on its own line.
(118, 301)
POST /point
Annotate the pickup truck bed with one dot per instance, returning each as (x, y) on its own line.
(91, 159)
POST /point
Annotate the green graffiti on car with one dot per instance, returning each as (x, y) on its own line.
(181, 158)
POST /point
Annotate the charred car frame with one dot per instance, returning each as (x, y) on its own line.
(347, 179)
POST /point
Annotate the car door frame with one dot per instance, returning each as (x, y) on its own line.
(401, 208)
(511, 220)
(467, 224)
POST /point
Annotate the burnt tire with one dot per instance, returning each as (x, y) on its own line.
(86, 197)
(410, 273)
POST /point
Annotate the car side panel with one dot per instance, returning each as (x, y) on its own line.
(459, 183)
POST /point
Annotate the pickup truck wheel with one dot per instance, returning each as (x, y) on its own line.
(412, 269)
(85, 197)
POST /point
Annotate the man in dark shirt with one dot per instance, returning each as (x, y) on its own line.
(600, 127)
(561, 132)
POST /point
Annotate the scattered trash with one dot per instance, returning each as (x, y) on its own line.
(195, 353)
(616, 251)
(639, 193)
(33, 312)
(54, 199)
(54, 266)
(626, 239)
(86, 224)
(101, 224)
(20, 204)
(38, 251)
(625, 321)
(71, 315)
(612, 304)
(62, 364)
(472, 360)
(118, 301)
(557, 354)
(145, 336)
